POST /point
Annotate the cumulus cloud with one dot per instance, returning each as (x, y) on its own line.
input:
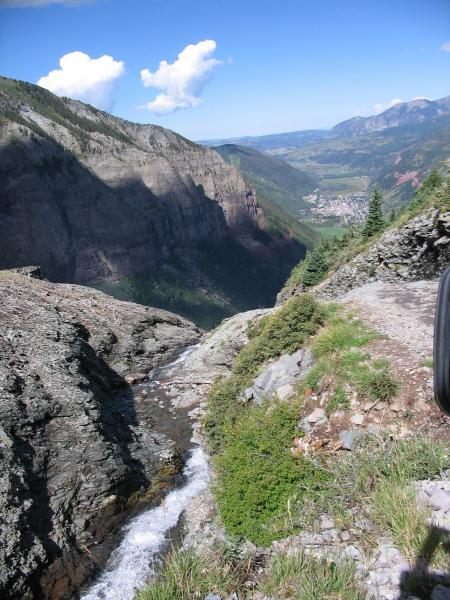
(445, 47)
(84, 78)
(379, 108)
(41, 2)
(183, 81)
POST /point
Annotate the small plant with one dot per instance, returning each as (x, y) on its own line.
(395, 509)
(308, 578)
(376, 384)
(186, 575)
(428, 362)
(338, 400)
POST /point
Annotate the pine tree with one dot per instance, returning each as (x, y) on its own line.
(316, 266)
(392, 217)
(374, 221)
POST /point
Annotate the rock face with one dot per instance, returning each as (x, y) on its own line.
(418, 250)
(73, 455)
(403, 113)
(91, 197)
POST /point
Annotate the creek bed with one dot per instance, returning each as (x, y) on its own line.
(145, 537)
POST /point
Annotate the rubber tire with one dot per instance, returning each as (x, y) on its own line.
(441, 344)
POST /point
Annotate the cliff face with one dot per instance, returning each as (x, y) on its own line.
(418, 250)
(91, 197)
(74, 448)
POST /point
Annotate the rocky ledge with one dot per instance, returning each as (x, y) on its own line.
(419, 250)
(74, 458)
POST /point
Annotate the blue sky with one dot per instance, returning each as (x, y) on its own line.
(277, 65)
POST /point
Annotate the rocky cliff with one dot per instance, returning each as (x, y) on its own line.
(91, 197)
(420, 249)
(76, 453)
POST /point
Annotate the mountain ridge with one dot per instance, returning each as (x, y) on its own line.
(95, 199)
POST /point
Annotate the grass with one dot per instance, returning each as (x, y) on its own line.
(395, 509)
(186, 575)
(340, 360)
(305, 577)
(360, 482)
(427, 362)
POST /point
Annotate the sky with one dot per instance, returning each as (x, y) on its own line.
(226, 68)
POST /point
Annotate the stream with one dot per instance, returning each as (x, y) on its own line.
(144, 537)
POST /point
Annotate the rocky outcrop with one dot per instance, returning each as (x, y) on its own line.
(91, 197)
(418, 250)
(74, 456)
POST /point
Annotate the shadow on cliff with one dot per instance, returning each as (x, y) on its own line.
(421, 579)
(113, 449)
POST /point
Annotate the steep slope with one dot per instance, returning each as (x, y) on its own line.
(272, 177)
(96, 199)
(78, 449)
(403, 113)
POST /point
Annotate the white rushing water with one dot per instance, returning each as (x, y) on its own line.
(133, 562)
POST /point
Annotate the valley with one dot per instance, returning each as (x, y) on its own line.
(394, 151)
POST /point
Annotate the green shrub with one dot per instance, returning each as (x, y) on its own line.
(257, 474)
(284, 332)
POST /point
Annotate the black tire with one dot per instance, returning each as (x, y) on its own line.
(441, 344)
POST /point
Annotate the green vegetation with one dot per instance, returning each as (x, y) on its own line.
(305, 577)
(273, 178)
(282, 226)
(427, 362)
(329, 255)
(339, 361)
(258, 475)
(374, 221)
(285, 331)
(55, 108)
(187, 575)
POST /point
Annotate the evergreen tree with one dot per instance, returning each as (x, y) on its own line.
(374, 221)
(392, 217)
(315, 267)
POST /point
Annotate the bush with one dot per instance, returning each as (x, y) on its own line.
(284, 332)
(257, 474)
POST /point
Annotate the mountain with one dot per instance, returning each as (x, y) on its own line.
(274, 178)
(403, 113)
(274, 141)
(134, 209)
(395, 151)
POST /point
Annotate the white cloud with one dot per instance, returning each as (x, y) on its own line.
(445, 47)
(84, 78)
(24, 3)
(182, 81)
(379, 108)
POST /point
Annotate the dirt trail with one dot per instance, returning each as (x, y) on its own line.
(402, 311)
(404, 314)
